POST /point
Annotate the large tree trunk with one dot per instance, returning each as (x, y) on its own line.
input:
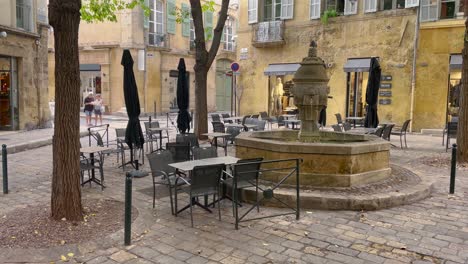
(64, 17)
(462, 131)
(201, 113)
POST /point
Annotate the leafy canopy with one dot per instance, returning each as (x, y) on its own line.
(105, 10)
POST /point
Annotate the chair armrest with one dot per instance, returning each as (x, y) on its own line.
(182, 179)
(228, 174)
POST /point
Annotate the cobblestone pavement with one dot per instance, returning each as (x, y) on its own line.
(434, 230)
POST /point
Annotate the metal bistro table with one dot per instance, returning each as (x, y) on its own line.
(215, 136)
(233, 118)
(188, 166)
(91, 151)
(246, 127)
(159, 130)
(354, 119)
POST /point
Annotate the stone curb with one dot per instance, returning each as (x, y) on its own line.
(333, 201)
(12, 149)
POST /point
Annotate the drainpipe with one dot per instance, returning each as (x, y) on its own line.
(413, 74)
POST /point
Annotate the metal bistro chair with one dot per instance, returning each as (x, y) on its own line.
(190, 138)
(162, 173)
(117, 150)
(180, 151)
(451, 133)
(120, 134)
(215, 118)
(226, 116)
(247, 176)
(205, 180)
(339, 119)
(378, 132)
(281, 121)
(218, 127)
(387, 131)
(234, 131)
(204, 152)
(337, 128)
(254, 116)
(402, 133)
(151, 136)
(260, 125)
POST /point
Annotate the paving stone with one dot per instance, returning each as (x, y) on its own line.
(292, 244)
(343, 250)
(343, 258)
(144, 252)
(371, 257)
(277, 257)
(122, 256)
(197, 260)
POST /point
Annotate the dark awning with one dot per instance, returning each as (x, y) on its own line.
(282, 69)
(90, 67)
(357, 65)
(456, 62)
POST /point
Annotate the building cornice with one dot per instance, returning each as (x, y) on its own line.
(446, 23)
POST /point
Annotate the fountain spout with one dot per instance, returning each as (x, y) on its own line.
(310, 94)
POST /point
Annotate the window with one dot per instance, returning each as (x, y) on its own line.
(24, 14)
(350, 7)
(337, 5)
(400, 4)
(428, 10)
(156, 34)
(270, 10)
(228, 34)
(370, 6)
(447, 9)
(411, 3)
(315, 9)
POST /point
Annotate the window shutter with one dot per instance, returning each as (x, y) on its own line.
(287, 9)
(350, 7)
(428, 10)
(171, 16)
(315, 9)
(253, 11)
(411, 3)
(370, 6)
(146, 18)
(186, 20)
(208, 25)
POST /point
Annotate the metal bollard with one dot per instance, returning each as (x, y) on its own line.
(453, 169)
(128, 209)
(136, 165)
(5, 168)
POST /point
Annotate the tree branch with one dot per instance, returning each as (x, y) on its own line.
(218, 32)
(200, 44)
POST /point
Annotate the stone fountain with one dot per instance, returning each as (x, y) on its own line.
(331, 159)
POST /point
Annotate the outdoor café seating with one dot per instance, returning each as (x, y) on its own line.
(180, 150)
(402, 133)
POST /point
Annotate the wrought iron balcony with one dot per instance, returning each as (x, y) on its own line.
(268, 34)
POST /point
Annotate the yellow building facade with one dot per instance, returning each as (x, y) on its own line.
(23, 65)
(274, 36)
(156, 43)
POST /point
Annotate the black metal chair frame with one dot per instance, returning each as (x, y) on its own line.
(452, 128)
(402, 133)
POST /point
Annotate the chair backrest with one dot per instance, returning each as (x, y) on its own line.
(204, 152)
(346, 126)
(452, 129)
(264, 115)
(387, 131)
(120, 132)
(244, 118)
(281, 120)
(218, 127)
(254, 116)
(337, 128)
(190, 138)
(215, 118)
(99, 140)
(378, 132)
(180, 151)
(206, 178)
(247, 169)
(225, 115)
(159, 161)
(154, 124)
(339, 120)
(234, 131)
(405, 125)
(260, 125)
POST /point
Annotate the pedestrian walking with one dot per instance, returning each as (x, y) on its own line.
(98, 104)
(89, 107)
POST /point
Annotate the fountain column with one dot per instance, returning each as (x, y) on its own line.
(310, 94)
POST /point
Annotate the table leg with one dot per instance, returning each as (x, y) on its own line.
(93, 176)
(160, 140)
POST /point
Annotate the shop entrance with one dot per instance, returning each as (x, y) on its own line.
(356, 83)
(280, 96)
(8, 94)
(90, 76)
(454, 88)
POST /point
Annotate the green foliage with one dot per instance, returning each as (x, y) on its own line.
(184, 14)
(327, 14)
(104, 10)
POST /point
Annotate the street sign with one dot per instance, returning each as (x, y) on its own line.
(235, 66)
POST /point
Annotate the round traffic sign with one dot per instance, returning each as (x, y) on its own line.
(235, 66)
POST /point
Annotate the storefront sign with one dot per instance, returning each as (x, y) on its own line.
(386, 77)
(385, 101)
(173, 73)
(385, 93)
(244, 54)
(386, 85)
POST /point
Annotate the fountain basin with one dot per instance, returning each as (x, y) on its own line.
(339, 160)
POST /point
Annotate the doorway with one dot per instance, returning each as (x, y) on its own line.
(356, 94)
(90, 83)
(9, 114)
(223, 86)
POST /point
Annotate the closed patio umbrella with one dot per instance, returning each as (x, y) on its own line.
(183, 119)
(372, 94)
(133, 135)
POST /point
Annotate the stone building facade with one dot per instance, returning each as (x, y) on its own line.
(23, 65)
(273, 36)
(156, 44)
